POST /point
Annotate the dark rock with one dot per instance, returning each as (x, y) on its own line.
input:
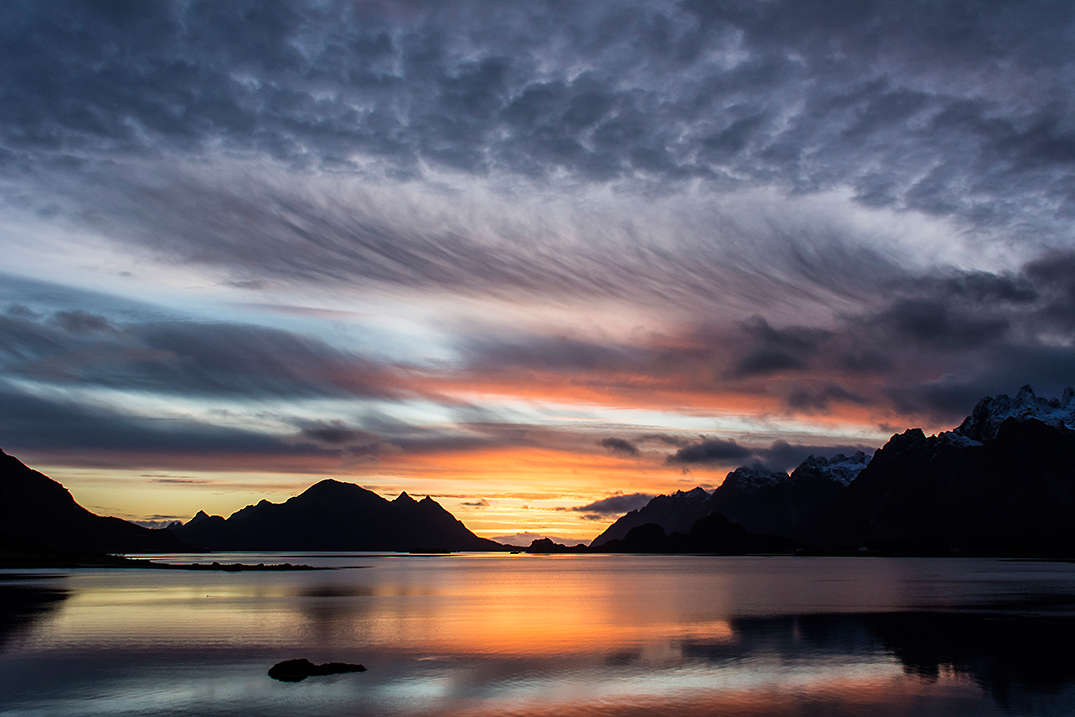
(546, 545)
(299, 670)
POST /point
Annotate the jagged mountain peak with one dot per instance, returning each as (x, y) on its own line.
(840, 468)
(755, 476)
(992, 411)
(675, 513)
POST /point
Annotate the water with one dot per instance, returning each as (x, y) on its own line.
(545, 635)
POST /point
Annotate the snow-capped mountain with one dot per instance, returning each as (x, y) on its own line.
(1002, 483)
(752, 478)
(840, 468)
(774, 503)
(982, 424)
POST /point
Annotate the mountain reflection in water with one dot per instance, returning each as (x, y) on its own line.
(1013, 657)
(22, 605)
(571, 635)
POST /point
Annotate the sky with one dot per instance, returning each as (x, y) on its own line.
(540, 260)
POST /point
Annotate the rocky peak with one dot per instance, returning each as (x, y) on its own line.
(991, 411)
(198, 517)
(840, 468)
(753, 477)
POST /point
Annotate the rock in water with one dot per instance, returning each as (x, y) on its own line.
(299, 670)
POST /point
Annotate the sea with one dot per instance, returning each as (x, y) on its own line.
(579, 635)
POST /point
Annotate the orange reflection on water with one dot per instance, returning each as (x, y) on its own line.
(498, 605)
(674, 693)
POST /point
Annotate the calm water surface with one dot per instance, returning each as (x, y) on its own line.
(546, 635)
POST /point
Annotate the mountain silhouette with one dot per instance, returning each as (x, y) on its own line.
(762, 501)
(1001, 483)
(713, 534)
(774, 503)
(332, 515)
(675, 513)
(39, 514)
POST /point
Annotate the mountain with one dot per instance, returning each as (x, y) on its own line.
(331, 515)
(762, 501)
(39, 514)
(675, 513)
(990, 413)
(774, 503)
(714, 534)
(1003, 482)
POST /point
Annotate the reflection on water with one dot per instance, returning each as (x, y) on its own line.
(23, 603)
(529, 635)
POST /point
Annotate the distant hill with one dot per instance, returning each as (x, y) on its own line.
(39, 514)
(332, 515)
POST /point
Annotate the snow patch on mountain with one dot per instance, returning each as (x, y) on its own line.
(753, 477)
(991, 412)
(840, 468)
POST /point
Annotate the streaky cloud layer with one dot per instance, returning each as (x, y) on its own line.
(593, 251)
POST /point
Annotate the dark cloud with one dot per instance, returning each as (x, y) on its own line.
(902, 355)
(335, 434)
(177, 357)
(81, 322)
(64, 427)
(664, 439)
(784, 456)
(774, 351)
(481, 503)
(911, 105)
(281, 142)
(779, 456)
(709, 451)
(70, 428)
(818, 398)
(928, 321)
(615, 505)
(619, 446)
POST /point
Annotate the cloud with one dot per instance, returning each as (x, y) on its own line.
(335, 434)
(780, 455)
(776, 350)
(97, 433)
(619, 446)
(184, 357)
(62, 427)
(855, 210)
(788, 93)
(709, 450)
(614, 505)
(481, 503)
(177, 480)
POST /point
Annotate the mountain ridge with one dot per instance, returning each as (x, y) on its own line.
(39, 514)
(334, 515)
(1002, 482)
